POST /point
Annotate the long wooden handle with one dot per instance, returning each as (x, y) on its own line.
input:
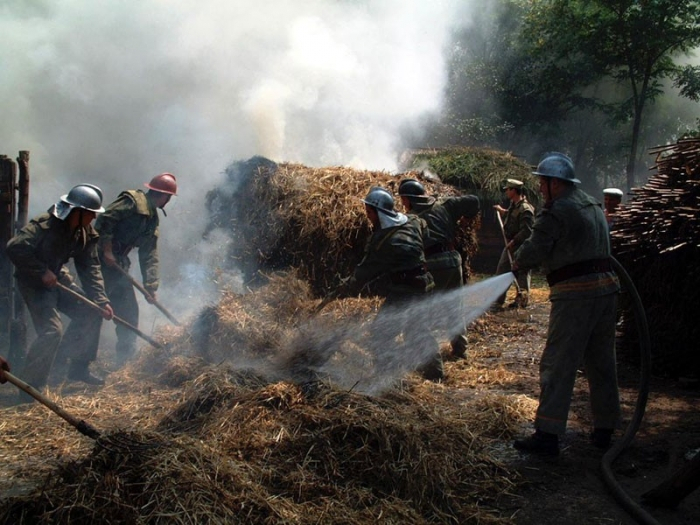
(505, 240)
(83, 427)
(147, 295)
(115, 318)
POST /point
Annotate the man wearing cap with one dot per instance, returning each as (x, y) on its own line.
(570, 241)
(394, 254)
(612, 198)
(517, 226)
(131, 221)
(443, 260)
(39, 253)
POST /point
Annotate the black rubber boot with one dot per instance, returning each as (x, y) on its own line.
(459, 347)
(601, 437)
(80, 371)
(433, 370)
(542, 443)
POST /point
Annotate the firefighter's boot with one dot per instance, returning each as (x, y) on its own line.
(80, 371)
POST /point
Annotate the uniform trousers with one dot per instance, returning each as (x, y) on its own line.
(581, 331)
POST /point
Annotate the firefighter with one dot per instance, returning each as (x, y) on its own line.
(443, 260)
(612, 198)
(131, 221)
(394, 254)
(517, 226)
(570, 241)
(39, 252)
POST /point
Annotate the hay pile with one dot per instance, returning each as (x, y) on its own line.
(195, 443)
(277, 454)
(480, 171)
(657, 240)
(283, 216)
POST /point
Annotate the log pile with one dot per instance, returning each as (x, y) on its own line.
(656, 238)
(289, 216)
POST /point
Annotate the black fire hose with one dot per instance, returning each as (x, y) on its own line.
(645, 354)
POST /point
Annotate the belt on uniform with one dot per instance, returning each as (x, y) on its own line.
(578, 269)
(407, 276)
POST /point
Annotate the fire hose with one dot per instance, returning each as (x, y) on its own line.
(645, 370)
(117, 320)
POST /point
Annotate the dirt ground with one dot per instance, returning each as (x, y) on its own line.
(569, 489)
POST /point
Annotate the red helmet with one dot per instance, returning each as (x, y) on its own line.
(164, 183)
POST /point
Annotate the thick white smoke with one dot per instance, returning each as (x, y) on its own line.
(114, 92)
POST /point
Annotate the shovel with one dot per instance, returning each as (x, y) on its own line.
(84, 428)
(147, 295)
(505, 239)
(117, 320)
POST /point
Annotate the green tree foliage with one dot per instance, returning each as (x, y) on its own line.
(581, 44)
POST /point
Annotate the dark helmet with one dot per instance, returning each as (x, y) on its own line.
(164, 183)
(85, 196)
(380, 199)
(558, 166)
(411, 188)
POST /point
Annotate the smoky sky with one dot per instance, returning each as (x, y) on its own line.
(115, 92)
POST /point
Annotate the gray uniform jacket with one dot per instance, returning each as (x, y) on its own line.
(396, 253)
(441, 217)
(132, 221)
(518, 221)
(571, 230)
(47, 243)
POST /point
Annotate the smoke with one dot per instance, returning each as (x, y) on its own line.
(116, 92)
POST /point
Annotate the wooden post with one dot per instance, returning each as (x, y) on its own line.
(8, 176)
(18, 335)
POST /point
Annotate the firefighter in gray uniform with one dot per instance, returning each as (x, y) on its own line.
(517, 226)
(570, 241)
(39, 252)
(443, 260)
(131, 221)
(394, 253)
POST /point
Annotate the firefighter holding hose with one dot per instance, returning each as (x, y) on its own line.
(570, 241)
(39, 253)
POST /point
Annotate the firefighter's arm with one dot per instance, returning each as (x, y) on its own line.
(107, 253)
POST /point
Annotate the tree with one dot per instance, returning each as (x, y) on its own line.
(633, 42)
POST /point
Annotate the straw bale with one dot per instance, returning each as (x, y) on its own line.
(283, 216)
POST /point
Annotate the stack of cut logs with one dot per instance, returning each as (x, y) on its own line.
(657, 239)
